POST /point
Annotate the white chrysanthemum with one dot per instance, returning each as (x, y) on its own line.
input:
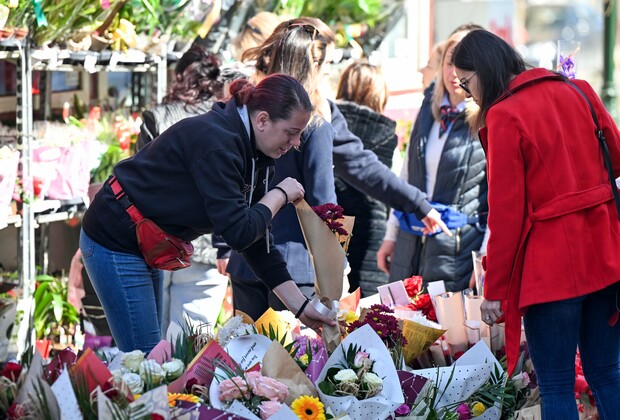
(234, 327)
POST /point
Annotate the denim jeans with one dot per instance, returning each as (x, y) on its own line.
(130, 293)
(554, 330)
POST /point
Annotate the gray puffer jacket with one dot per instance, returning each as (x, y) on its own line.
(461, 183)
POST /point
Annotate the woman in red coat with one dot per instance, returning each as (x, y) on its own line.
(553, 254)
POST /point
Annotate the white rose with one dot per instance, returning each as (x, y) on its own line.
(346, 375)
(372, 380)
(134, 382)
(117, 375)
(132, 360)
(152, 372)
(174, 368)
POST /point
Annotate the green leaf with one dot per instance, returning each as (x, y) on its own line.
(327, 388)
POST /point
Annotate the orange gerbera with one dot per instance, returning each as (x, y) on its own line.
(173, 398)
(308, 408)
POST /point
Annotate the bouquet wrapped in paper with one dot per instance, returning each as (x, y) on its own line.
(326, 238)
(364, 385)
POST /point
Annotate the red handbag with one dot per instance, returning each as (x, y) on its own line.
(160, 249)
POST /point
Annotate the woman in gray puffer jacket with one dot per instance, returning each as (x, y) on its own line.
(361, 97)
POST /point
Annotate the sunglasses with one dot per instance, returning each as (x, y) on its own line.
(463, 83)
(314, 32)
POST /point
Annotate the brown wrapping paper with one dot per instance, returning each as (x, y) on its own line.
(328, 258)
(451, 316)
(278, 364)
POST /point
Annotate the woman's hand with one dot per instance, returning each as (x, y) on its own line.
(491, 311)
(433, 222)
(384, 256)
(293, 299)
(222, 264)
(294, 190)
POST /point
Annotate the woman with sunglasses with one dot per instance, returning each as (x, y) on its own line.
(554, 222)
(445, 160)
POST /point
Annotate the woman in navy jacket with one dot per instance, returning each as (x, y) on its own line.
(204, 174)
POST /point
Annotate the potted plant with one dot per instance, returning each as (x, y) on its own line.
(54, 316)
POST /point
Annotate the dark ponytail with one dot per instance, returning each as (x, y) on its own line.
(279, 95)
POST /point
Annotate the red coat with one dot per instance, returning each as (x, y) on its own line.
(555, 232)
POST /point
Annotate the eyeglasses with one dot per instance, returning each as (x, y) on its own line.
(464, 82)
(314, 32)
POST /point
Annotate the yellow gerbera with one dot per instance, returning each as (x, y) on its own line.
(308, 408)
(173, 398)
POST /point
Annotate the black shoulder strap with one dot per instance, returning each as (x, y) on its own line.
(604, 148)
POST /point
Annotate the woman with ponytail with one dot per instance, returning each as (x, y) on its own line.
(205, 174)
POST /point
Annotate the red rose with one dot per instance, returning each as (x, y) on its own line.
(423, 302)
(431, 315)
(413, 285)
(16, 411)
(11, 370)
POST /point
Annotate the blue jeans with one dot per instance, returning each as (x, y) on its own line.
(130, 293)
(554, 330)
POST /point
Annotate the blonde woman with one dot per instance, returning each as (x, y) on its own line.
(445, 160)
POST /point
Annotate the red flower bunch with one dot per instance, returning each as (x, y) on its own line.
(420, 301)
(380, 318)
(330, 213)
(11, 370)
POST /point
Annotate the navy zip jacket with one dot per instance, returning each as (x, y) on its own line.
(196, 177)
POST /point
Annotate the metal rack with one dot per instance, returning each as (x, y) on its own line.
(27, 60)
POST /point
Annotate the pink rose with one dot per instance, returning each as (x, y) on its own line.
(268, 409)
(233, 388)
(360, 359)
(266, 387)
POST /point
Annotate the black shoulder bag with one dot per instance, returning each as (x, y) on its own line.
(604, 148)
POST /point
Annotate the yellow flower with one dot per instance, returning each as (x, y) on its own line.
(477, 409)
(308, 408)
(304, 359)
(173, 398)
(351, 317)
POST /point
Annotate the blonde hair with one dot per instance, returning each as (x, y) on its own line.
(439, 93)
(363, 84)
(257, 29)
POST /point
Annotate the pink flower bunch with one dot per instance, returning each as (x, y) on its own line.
(271, 393)
(385, 324)
(330, 213)
(254, 383)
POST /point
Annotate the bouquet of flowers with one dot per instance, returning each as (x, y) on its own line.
(350, 382)
(328, 258)
(261, 395)
(387, 327)
(332, 215)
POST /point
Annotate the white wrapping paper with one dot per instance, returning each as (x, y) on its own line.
(381, 405)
